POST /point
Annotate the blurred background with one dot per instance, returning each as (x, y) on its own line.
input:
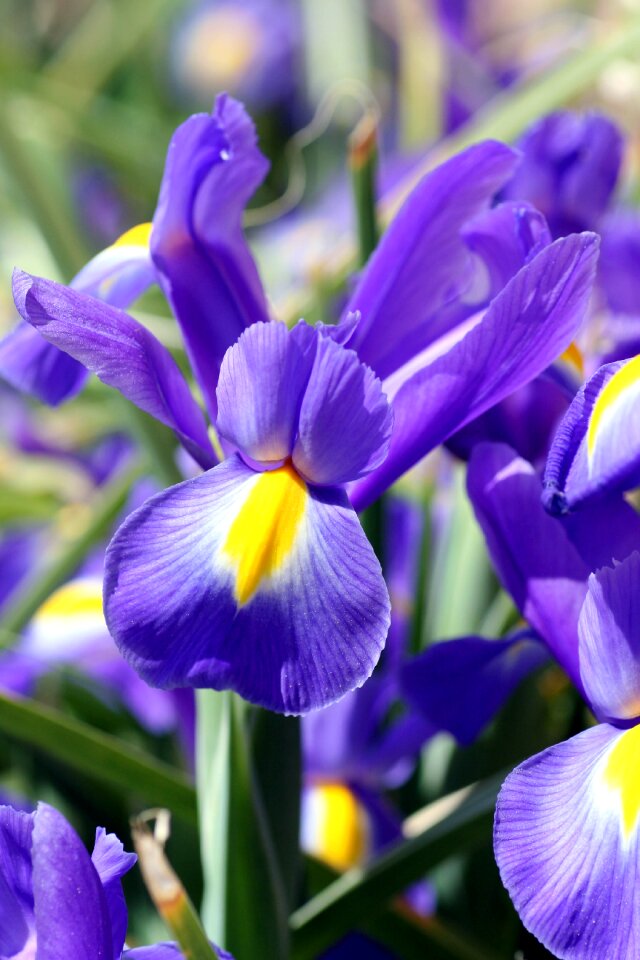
(91, 91)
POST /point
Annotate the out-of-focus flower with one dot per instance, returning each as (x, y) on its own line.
(53, 894)
(566, 827)
(569, 170)
(251, 48)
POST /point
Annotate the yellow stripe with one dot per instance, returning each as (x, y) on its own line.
(621, 774)
(77, 598)
(626, 377)
(343, 832)
(137, 236)
(573, 356)
(264, 532)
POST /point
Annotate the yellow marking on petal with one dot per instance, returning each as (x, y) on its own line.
(626, 377)
(622, 774)
(137, 236)
(573, 356)
(78, 598)
(344, 828)
(264, 532)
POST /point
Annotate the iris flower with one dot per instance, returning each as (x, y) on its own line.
(57, 901)
(256, 575)
(566, 826)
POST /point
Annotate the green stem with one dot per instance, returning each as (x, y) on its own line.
(363, 157)
(109, 501)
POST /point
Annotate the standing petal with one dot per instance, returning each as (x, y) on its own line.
(111, 862)
(418, 265)
(525, 328)
(345, 421)
(252, 581)
(566, 843)
(262, 380)
(204, 264)
(70, 904)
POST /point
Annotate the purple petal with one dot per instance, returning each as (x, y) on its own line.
(569, 168)
(119, 350)
(619, 258)
(17, 923)
(291, 619)
(262, 381)
(33, 366)
(526, 327)
(566, 843)
(117, 275)
(404, 529)
(460, 685)
(204, 264)
(506, 238)
(111, 862)
(418, 265)
(345, 421)
(532, 553)
(70, 903)
(300, 393)
(610, 641)
(166, 951)
(596, 448)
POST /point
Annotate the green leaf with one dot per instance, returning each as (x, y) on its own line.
(450, 825)
(408, 935)
(244, 907)
(98, 755)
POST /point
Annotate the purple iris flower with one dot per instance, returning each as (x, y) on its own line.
(566, 826)
(448, 342)
(257, 574)
(53, 894)
(569, 169)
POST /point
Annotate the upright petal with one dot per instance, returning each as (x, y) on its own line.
(111, 862)
(459, 685)
(526, 327)
(70, 903)
(534, 558)
(566, 843)
(119, 350)
(418, 265)
(252, 581)
(596, 448)
(344, 423)
(610, 641)
(204, 264)
(262, 380)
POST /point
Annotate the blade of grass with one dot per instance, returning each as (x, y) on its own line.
(450, 825)
(98, 755)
